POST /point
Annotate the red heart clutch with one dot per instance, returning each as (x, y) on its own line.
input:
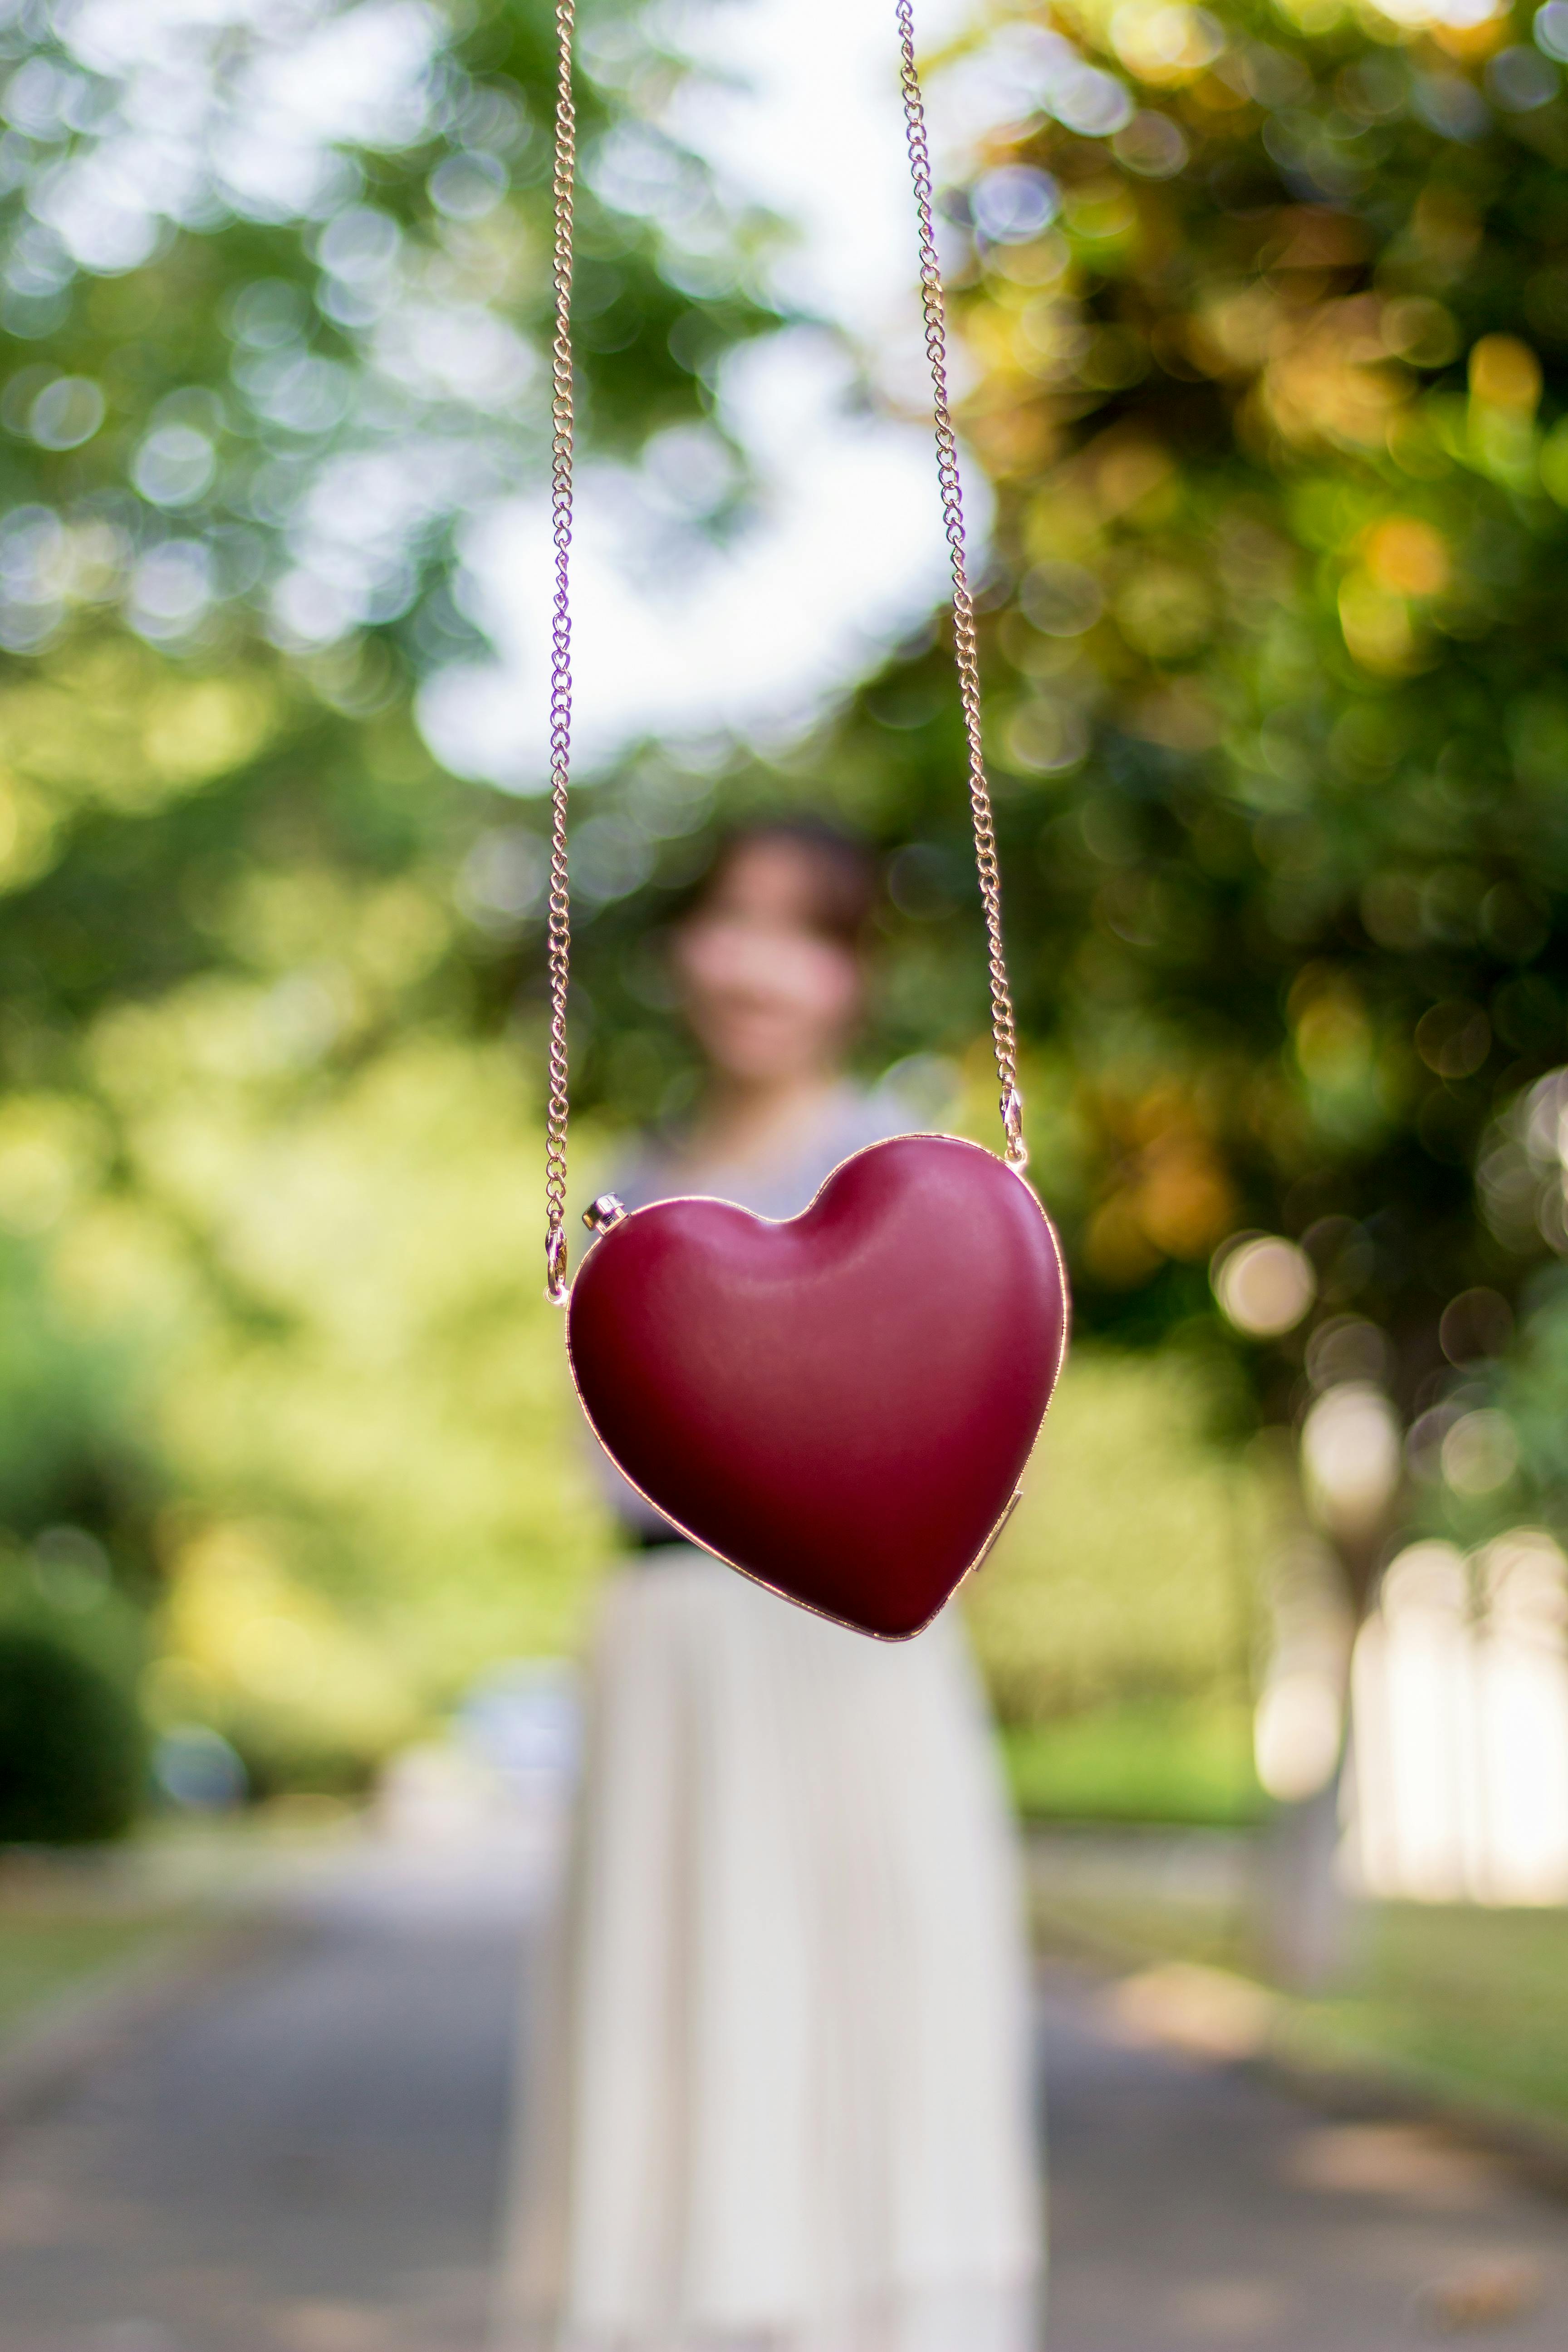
(840, 1405)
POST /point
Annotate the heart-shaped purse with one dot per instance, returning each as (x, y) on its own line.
(841, 1404)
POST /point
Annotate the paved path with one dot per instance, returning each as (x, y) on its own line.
(306, 2158)
(1195, 2204)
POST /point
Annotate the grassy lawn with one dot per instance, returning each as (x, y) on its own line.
(67, 1917)
(1477, 1998)
(1472, 2003)
(44, 1955)
(1169, 1761)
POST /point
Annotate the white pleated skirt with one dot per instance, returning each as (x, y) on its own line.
(777, 2084)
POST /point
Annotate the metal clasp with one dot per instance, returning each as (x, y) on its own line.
(1012, 1124)
(555, 1285)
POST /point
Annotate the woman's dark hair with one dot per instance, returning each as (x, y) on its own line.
(846, 874)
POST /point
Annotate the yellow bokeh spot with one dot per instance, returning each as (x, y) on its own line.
(1100, 211)
(1505, 374)
(1333, 1040)
(1406, 555)
(1327, 377)
(27, 826)
(1163, 42)
(105, 723)
(194, 732)
(50, 1149)
(1169, 1196)
(1378, 626)
(1554, 462)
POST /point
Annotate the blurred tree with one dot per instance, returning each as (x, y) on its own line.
(278, 292)
(1270, 319)
(276, 287)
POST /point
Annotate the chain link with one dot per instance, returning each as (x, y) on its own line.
(560, 452)
(1003, 1030)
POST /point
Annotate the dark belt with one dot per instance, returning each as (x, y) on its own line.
(658, 1539)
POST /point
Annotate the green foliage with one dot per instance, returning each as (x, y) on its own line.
(71, 1744)
(1467, 1998)
(1272, 385)
(1310, 848)
(1278, 619)
(392, 1426)
(249, 405)
(66, 1453)
(1187, 1762)
(251, 408)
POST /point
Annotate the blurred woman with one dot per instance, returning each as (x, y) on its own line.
(777, 2097)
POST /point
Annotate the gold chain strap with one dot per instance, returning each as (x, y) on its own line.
(1004, 1031)
(560, 441)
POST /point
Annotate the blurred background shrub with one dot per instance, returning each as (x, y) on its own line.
(72, 1754)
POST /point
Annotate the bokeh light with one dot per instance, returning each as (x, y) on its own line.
(1264, 1285)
